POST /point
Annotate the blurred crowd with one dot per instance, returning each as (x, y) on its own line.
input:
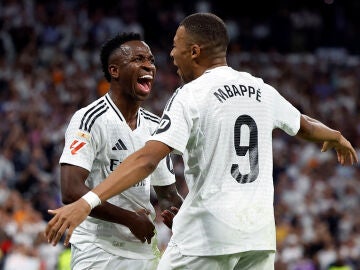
(50, 67)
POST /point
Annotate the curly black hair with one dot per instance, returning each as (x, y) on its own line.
(111, 45)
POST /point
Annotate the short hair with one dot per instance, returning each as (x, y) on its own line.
(207, 29)
(111, 45)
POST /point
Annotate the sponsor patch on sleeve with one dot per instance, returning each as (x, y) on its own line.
(76, 145)
(83, 135)
(164, 125)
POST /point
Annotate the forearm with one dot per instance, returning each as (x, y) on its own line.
(134, 168)
(106, 211)
(313, 130)
(112, 213)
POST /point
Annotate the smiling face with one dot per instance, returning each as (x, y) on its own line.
(182, 55)
(132, 67)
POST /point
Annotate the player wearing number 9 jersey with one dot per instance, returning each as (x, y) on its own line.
(221, 121)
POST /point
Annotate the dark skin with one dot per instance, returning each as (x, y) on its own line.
(126, 65)
(192, 59)
(73, 187)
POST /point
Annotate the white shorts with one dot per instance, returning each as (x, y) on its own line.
(172, 259)
(94, 258)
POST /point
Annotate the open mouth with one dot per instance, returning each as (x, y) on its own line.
(144, 82)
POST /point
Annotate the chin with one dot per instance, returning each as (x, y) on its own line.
(143, 97)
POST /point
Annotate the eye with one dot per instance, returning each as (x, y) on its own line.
(139, 59)
(142, 59)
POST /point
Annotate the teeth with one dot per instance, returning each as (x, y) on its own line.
(146, 77)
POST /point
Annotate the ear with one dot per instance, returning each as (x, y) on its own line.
(114, 71)
(195, 51)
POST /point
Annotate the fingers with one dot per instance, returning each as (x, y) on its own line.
(145, 230)
(52, 212)
(52, 230)
(167, 218)
(167, 214)
(56, 228)
(148, 237)
(354, 156)
(68, 235)
(59, 233)
(49, 232)
(174, 209)
(346, 156)
(325, 146)
(149, 240)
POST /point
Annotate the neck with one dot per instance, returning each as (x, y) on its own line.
(204, 68)
(127, 106)
(210, 62)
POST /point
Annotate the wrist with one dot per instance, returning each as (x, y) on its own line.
(338, 136)
(92, 199)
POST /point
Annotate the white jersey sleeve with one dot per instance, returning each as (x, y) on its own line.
(80, 146)
(222, 124)
(164, 173)
(286, 116)
(99, 139)
(176, 123)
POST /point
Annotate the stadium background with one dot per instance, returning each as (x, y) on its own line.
(49, 67)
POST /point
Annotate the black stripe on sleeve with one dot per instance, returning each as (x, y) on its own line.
(85, 117)
(150, 116)
(96, 117)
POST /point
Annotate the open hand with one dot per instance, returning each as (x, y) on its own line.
(65, 218)
(346, 154)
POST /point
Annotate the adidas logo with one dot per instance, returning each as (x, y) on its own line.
(119, 146)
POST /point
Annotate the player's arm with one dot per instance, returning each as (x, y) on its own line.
(73, 187)
(313, 130)
(169, 199)
(135, 167)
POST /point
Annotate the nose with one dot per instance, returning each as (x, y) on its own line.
(148, 64)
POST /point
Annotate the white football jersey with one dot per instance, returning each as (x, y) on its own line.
(222, 123)
(99, 139)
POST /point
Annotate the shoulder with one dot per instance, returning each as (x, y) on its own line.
(91, 114)
(250, 77)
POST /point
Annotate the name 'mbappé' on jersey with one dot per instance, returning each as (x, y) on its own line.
(222, 124)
